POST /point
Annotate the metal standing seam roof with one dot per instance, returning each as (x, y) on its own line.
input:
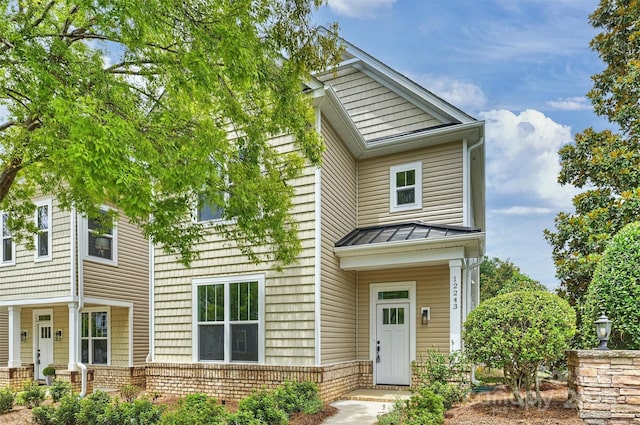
(402, 232)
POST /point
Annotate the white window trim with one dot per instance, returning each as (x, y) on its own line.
(393, 194)
(41, 203)
(90, 310)
(114, 244)
(12, 262)
(227, 311)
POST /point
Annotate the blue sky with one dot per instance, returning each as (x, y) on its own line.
(523, 66)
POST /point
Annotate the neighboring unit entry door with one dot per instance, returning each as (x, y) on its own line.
(44, 350)
(392, 358)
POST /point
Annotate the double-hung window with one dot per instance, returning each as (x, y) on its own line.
(228, 321)
(101, 240)
(94, 337)
(7, 247)
(406, 186)
(43, 238)
(208, 211)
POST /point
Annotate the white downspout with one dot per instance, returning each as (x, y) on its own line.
(151, 354)
(83, 368)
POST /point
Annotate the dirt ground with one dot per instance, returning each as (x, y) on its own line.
(486, 408)
(497, 408)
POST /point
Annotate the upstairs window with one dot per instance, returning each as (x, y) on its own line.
(101, 241)
(43, 238)
(208, 211)
(406, 187)
(7, 247)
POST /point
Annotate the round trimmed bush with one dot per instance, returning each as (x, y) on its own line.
(615, 291)
(517, 332)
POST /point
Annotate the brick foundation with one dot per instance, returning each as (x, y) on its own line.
(235, 381)
(13, 377)
(74, 377)
(605, 386)
(115, 377)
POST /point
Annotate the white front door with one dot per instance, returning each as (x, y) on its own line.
(392, 362)
(44, 349)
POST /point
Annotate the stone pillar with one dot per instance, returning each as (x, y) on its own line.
(74, 377)
(605, 385)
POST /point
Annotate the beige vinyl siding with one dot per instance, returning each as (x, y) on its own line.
(119, 338)
(128, 281)
(432, 290)
(28, 279)
(60, 322)
(289, 295)
(4, 338)
(442, 186)
(375, 110)
(338, 292)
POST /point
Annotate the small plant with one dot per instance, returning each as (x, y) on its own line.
(49, 371)
(395, 416)
(67, 410)
(264, 407)
(32, 394)
(135, 412)
(445, 376)
(424, 408)
(92, 407)
(7, 398)
(129, 392)
(43, 415)
(59, 389)
(197, 409)
(293, 396)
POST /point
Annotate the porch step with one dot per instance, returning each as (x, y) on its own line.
(386, 394)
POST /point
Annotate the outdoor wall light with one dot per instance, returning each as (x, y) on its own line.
(603, 330)
(426, 315)
(58, 334)
(23, 335)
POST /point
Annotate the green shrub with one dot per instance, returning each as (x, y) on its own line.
(43, 415)
(394, 417)
(196, 409)
(518, 332)
(135, 412)
(66, 412)
(129, 392)
(615, 291)
(264, 407)
(59, 389)
(293, 396)
(446, 376)
(424, 408)
(32, 394)
(7, 398)
(92, 407)
(243, 418)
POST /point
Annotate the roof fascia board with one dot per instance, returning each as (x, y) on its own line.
(401, 259)
(426, 138)
(331, 106)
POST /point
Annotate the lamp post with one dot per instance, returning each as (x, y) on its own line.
(603, 330)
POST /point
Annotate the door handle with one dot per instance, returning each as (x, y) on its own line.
(378, 352)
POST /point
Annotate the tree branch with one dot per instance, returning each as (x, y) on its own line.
(46, 10)
(69, 20)
(7, 125)
(8, 175)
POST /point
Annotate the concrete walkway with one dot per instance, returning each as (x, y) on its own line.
(362, 407)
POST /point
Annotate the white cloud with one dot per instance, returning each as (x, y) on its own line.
(363, 9)
(578, 103)
(464, 95)
(523, 211)
(522, 159)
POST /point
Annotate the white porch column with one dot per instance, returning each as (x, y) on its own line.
(73, 336)
(14, 337)
(455, 304)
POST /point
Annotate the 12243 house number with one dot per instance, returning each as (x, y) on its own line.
(455, 293)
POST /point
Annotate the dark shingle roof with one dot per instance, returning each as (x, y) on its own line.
(402, 232)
